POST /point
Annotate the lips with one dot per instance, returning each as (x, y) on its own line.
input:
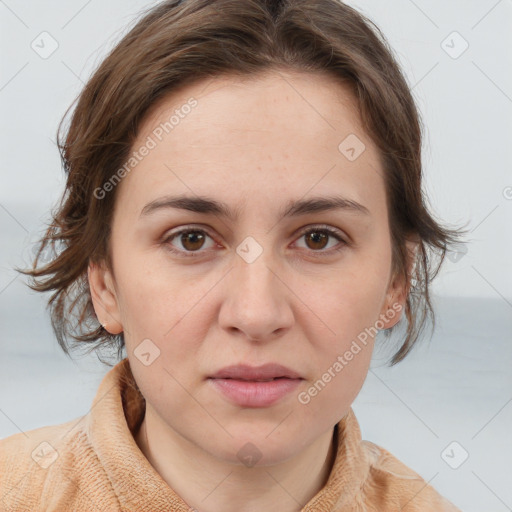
(265, 372)
(250, 386)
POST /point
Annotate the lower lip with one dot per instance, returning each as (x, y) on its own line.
(255, 394)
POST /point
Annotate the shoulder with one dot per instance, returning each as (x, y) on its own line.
(24, 462)
(41, 467)
(398, 487)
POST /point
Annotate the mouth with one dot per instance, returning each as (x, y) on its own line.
(266, 372)
(257, 380)
(249, 386)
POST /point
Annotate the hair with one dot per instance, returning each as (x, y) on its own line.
(178, 42)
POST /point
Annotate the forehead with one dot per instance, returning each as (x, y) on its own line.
(279, 133)
(259, 103)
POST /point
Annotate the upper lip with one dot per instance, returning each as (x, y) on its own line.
(254, 373)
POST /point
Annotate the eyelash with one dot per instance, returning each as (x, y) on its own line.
(320, 229)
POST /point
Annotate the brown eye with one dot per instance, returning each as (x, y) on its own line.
(192, 240)
(318, 240)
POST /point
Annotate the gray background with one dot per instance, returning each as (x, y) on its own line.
(458, 387)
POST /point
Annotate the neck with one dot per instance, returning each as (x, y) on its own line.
(210, 485)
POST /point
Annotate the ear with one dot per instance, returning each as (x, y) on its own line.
(104, 297)
(398, 291)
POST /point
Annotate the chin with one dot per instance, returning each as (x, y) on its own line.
(244, 452)
(262, 445)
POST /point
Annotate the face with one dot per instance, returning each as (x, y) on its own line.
(272, 277)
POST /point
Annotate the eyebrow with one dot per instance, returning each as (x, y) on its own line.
(206, 205)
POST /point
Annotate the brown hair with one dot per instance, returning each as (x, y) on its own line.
(177, 42)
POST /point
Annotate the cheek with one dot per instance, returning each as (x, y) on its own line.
(151, 298)
(349, 305)
(338, 381)
(172, 312)
(364, 287)
(350, 301)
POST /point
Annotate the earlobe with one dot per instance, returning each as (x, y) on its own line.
(104, 298)
(392, 311)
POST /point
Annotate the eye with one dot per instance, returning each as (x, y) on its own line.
(317, 237)
(191, 240)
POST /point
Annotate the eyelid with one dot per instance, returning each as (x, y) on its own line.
(323, 227)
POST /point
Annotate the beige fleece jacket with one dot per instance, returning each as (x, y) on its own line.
(94, 464)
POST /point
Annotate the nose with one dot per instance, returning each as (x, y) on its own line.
(256, 302)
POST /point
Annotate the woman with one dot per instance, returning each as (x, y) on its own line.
(243, 214)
